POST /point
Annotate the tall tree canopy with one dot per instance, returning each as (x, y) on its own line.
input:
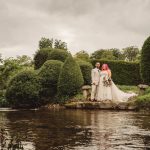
(83, 55)
(51, 43)
(131, 53)
(45, 43)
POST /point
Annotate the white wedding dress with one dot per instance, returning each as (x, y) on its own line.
(111, 92)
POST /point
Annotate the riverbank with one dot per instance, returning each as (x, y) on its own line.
(107, 105)
(141, 102)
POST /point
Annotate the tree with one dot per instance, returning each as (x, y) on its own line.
(145, 61)
(86, 68)
(70, 79)
(58, 54)
(108, 55)
(24, 60)
(41, 56)
(111, 54)
(49, 74)
(97, 54)
(12, 66)
(45, 43)
(23, 90)
(130, 53)
(1, 60)
(83, 55)
(117, 54)
(60, 45)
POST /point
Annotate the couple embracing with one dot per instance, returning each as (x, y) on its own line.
(103, 88)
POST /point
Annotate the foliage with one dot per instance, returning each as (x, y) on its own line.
(3, 102)
(145, 61)
(45, 43)
(86, 68)
(117, 54)
(49, 74)
(1, 60)
(41, 56)
(58, 44)
(70, 79)
(97, 54)
(131, 53)
(50, 43)
(143, 101)
(11, 66)
(23, 90)
(110, 54)
(123, 73)
(83, 55)
(58, 54)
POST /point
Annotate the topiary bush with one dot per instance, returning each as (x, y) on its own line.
(145, 61)
(23, 90)
(70, 79)
(86, 68)
(49, 74)
(41, 56)
(58, 54)
(123, 73)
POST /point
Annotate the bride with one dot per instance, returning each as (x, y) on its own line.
(107, 90)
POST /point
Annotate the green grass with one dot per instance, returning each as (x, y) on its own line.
(143, 101)
(127, 88)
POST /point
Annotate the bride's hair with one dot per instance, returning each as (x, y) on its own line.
(105, 67)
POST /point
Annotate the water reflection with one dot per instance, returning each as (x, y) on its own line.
(78, 129)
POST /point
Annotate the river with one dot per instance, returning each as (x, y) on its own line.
(63, 129)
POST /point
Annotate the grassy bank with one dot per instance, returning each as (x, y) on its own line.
(143, 101)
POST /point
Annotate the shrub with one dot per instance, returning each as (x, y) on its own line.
(123, 73)
(70, 79)
(145, 61)
(48, 75)
(41, 56)
(3, 102)
(58, 54)
(86, 68)
(144, 101)
(23, 90)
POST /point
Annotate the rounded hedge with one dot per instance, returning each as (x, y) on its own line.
(23, 90)
(123, 73)
(70, 79)
(145, 61)
(41, 56)
(49, 74)
(58, 54)
(86, 68)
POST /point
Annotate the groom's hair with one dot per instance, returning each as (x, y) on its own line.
(97, 63)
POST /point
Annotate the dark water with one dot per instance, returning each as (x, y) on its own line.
(78, 129)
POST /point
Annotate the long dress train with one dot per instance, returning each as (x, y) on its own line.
(111, 92)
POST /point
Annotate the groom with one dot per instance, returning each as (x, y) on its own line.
(95, 74)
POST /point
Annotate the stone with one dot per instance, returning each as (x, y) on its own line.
(142, 87)
(86, 89)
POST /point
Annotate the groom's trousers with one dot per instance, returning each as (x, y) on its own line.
(94, 92)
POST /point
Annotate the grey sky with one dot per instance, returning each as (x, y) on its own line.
(83, 24)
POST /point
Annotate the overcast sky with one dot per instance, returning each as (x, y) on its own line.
(83, 24)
